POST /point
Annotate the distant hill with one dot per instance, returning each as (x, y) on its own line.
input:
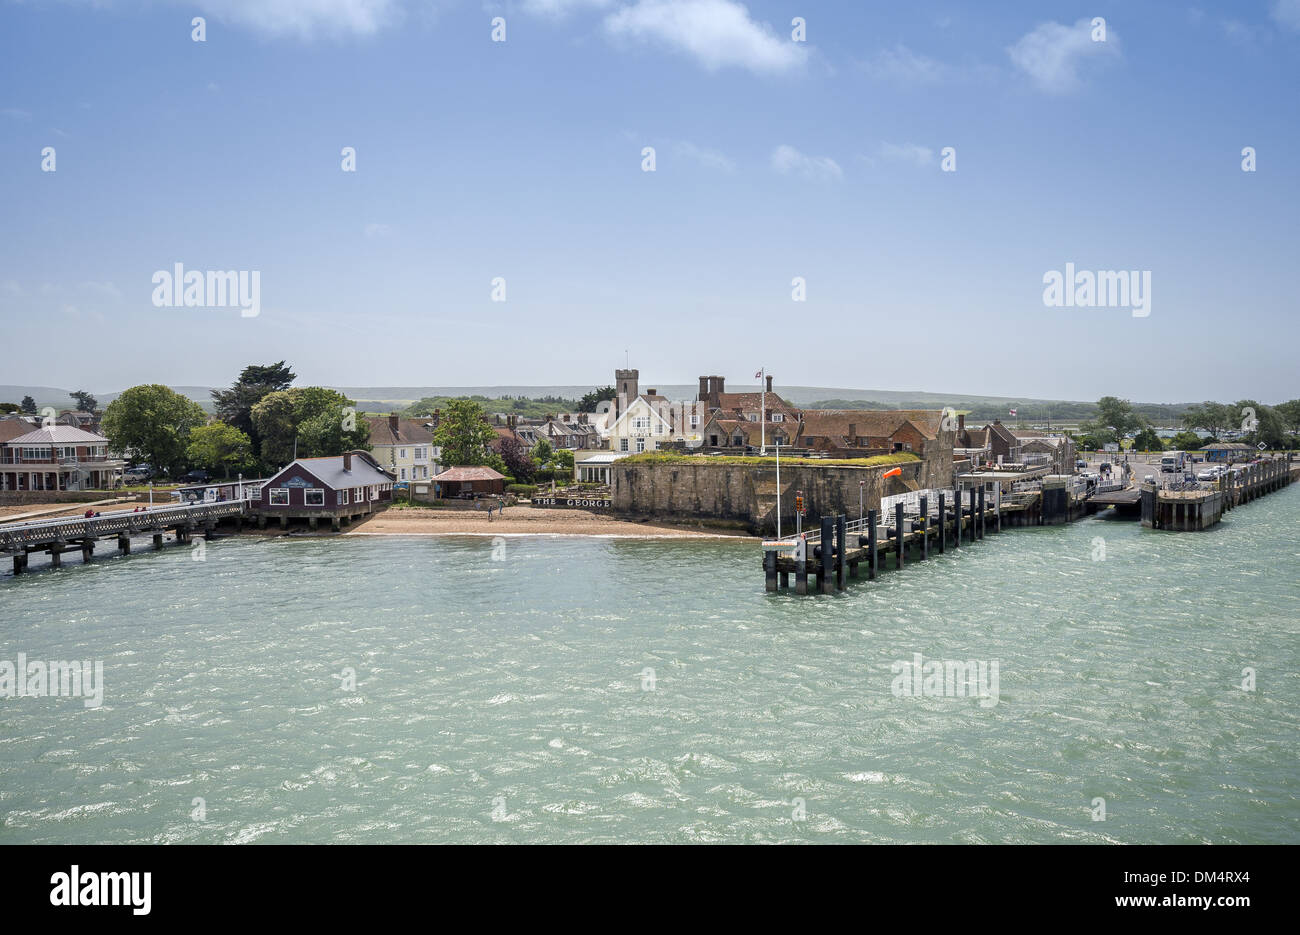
(397, 398)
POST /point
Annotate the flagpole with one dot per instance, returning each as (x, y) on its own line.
(762, 411)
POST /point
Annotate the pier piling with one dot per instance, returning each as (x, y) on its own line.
(898, 535)
(840, 530)
(943, 532)
(925, 528)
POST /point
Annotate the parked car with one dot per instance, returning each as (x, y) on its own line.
(1081, 464)
(196, 477)
(137, 473)
(1209, 474)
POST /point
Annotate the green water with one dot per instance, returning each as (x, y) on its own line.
(508, 698)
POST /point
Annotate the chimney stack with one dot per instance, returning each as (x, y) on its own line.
(769, 383)
(347, 459)
(704, 389)
(853, 434)
(392, 424)
(961, 421)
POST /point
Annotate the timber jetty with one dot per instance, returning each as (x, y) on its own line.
(55, 537)
(840, 547)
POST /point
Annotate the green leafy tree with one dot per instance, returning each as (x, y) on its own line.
(1261, 423)
(1186, 441)
(1115, 419)
(542, 451)
(1148, 440)
(1290, 413)
(84, 400)
(10, 407)
(155, 421)
(29, 406)
(312, 420)
(1210, 416)
(591, 400)
(235, 405)
(219, 447)
(463, 434)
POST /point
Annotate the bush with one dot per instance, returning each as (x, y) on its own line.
(522, 490)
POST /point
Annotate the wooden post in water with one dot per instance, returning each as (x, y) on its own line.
(943, 533)
(124, 544)
(871, 544)
(801, 571)
(898, 534)
(925, 527)
(56, 554)
(769, 570)
(981, 499)
(971, 537)
(87, 549)
(825, 577)
(840, 535)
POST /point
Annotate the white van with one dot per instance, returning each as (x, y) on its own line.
(1173, 462)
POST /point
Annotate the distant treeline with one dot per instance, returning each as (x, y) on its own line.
(1033, 411)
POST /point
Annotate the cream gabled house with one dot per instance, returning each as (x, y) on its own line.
(404, 448)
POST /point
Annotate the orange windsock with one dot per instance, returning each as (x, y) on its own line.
(896, 472)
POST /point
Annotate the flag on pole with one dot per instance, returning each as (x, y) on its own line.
(758, 375)
(1013, 412)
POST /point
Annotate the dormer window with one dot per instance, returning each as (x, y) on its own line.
(778, 417)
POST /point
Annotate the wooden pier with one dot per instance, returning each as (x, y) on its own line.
(838, 549)
(80, 534)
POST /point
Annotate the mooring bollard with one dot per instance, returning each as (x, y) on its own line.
(769, 570)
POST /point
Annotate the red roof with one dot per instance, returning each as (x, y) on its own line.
(469, 474)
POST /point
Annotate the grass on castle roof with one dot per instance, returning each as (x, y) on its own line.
(655, 457)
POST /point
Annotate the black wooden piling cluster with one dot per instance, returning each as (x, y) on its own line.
(832, 559)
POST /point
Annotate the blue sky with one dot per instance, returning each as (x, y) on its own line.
(774, 159)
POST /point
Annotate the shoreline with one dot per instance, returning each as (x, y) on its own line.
(521, 520)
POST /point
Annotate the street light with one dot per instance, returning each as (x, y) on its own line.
(861, 485)
(777, 445)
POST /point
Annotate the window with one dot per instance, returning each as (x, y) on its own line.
(313, 496)
(778, 417)
(36, 454)
(622, 444)
(342, 498)
(401, 453)
(279, 496)
(374, 492)
(753, 417)
(641, 423)
(640, 444)
(695, 421)
(68, 453)
(402, 473)
(421, 454)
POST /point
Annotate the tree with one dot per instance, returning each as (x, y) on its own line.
(29, 406)
(1290, 413)
(311, 420)
(1261, 423)
(85, 402)
(1186, 441)
(1148, 440)
(1115, 418)
(542, 451)
(10, 407)
(155, 421)
(1211, 416)
(219, 447)
(463, 434)
(517, 459)
(235, 405)
(591, 400)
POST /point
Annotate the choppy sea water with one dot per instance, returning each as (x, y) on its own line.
(609, 690)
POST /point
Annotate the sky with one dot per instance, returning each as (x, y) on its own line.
(516, 169)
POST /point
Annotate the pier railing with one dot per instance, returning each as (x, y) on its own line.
(18, 535)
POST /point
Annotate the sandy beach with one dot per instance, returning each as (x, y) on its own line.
(523, 521)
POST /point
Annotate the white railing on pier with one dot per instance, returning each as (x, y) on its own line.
(15, 535)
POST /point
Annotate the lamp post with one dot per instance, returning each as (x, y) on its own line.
(778, 490)
(151, 495)
(861, 484)
(241, 486)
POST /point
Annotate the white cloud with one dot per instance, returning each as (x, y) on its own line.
(559, 8)
(787, 160)
(305, 19)
(1051, 55)
(904, 66)
(16, 113)
(374, 230)
(1286, 13)
(709, 158)
(718, 33)
(907, 152)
